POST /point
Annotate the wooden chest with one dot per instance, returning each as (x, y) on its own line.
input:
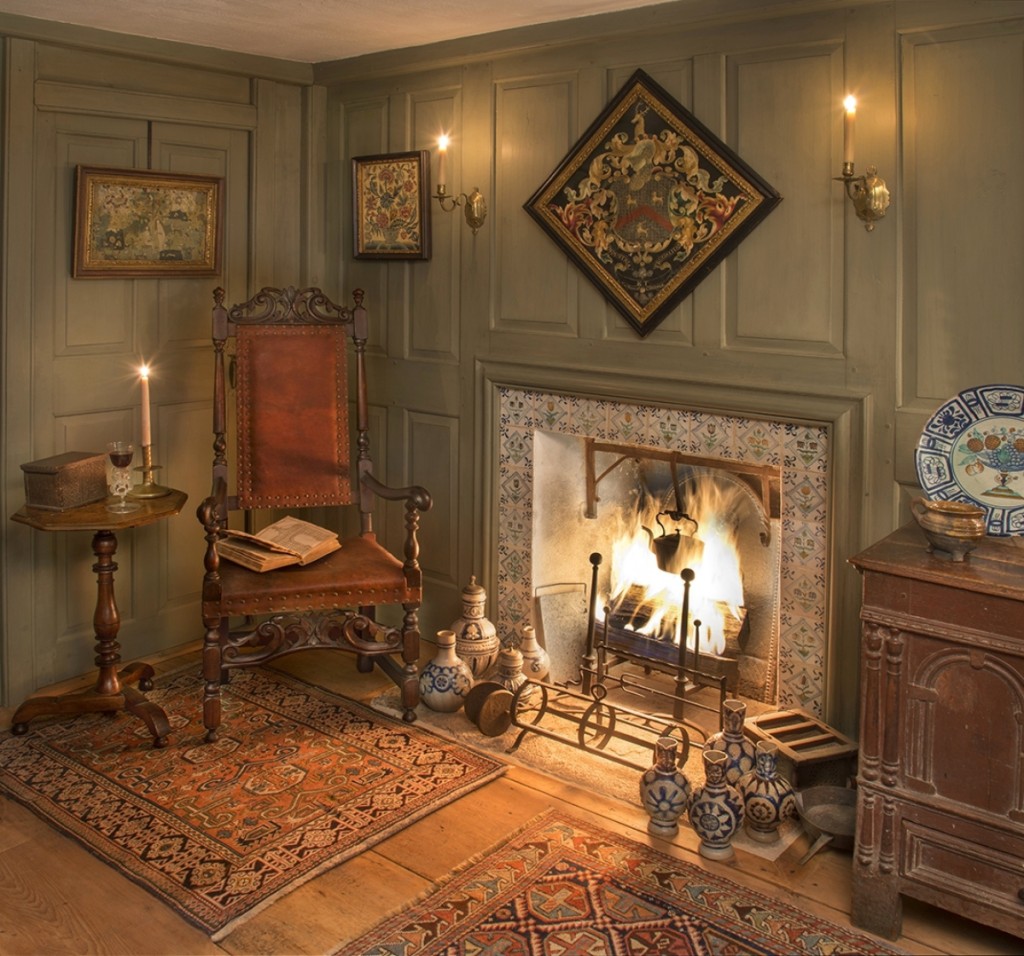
(940, 806)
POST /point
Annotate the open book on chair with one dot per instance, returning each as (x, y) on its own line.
(287, 541)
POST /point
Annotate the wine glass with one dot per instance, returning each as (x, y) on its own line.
(120, 454)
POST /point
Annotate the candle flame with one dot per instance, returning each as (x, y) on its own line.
(144, 370)
(442, 142)
(850, 104)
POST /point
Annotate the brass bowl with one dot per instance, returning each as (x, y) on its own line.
(953, 528)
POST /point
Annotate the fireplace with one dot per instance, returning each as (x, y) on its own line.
(574, 473)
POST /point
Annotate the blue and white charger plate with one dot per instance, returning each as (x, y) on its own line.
(972, 450)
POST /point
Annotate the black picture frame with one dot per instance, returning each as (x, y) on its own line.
(391, 205)
(649, 201)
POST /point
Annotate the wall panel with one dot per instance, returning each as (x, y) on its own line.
(433, 448)
(964, 151)
(430, 308)
(535, 125)
(785, 279)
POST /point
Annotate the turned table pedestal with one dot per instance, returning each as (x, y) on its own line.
(111, 692)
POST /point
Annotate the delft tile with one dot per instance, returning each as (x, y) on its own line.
(517, 445)
(585, 418)
(759, 442)
(712, 436)
(555, 412)
(514, 488)
(624, 423)
(807, 498)
(806, 446)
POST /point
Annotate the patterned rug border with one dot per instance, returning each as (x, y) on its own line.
(557, 817)
(159, 886)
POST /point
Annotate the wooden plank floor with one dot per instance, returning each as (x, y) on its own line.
(56, 898)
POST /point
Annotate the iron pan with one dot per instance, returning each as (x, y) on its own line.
(829, 815)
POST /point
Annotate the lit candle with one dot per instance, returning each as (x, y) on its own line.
(147, 437)
(850, 105)
(442, 155)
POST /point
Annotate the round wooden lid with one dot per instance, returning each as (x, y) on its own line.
(495, 713)
(477, 695)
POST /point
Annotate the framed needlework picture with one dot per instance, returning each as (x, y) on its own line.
(132, 223)
(649, 201)
(391, 211)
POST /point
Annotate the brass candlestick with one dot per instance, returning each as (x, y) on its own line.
(148, 488)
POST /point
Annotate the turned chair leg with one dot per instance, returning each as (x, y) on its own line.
(213, 676)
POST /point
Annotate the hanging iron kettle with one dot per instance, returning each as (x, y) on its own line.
(680, 548)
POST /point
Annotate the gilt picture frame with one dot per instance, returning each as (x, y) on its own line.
(132, 223)
(391, 206)
(649, 201)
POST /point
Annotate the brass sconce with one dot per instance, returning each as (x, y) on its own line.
(474, 206)
(868, 193)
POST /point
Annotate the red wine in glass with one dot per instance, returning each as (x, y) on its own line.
(120, 479)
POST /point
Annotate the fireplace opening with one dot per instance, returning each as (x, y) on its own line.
(557, 503)
(652, 513)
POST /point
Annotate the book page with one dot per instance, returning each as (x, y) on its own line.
(294, 535)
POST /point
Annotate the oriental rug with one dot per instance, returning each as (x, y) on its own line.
(298, 781)
(561, 885)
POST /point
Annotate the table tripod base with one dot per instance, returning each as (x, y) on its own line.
(94, 701)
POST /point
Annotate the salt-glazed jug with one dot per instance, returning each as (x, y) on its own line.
(739, 751)
(768, 798)
(536, 662)
(716, 809)
(445, 681)
(664, 788)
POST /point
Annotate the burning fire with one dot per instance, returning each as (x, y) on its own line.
(717, 589)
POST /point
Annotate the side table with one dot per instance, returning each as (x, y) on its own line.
(111, 693)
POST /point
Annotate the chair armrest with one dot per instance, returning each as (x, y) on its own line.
(212, 510)
(416, 499)
(212, 514)
(415, 496)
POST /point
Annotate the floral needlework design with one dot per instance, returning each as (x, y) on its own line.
(649, 201)
(391, 209)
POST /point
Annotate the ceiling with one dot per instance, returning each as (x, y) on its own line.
(311, 31)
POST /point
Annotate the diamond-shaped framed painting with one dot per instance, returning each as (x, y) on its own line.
(649, 201)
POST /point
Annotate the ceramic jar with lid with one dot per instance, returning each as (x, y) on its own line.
(476, 638)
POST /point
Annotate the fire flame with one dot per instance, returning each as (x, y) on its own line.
(718, 584)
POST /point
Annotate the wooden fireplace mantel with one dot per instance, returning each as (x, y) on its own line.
(940, 806)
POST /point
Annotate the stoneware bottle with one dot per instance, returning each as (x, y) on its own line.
(476, 638)
(510, 672)
(664, 789)
(716, 809)
(739, 750)
(536, 663)
(768, 798)
(445, 681)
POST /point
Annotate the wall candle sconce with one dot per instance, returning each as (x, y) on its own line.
(869, 194)
(474, 206)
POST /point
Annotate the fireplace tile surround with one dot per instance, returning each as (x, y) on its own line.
(801, 451)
